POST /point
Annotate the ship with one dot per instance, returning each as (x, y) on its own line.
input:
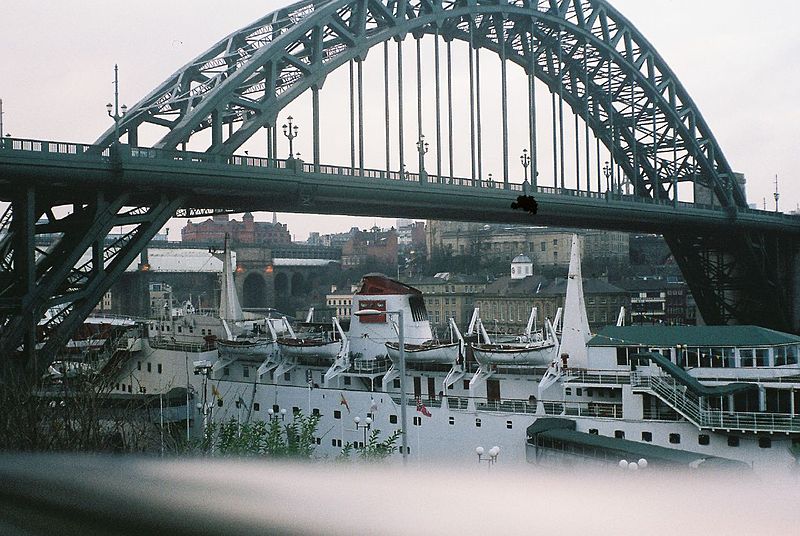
(689, 397)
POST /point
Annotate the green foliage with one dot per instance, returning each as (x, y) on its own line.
(374, 449)
(269, 439)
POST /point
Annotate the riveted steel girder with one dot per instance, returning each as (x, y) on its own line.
(36, 279)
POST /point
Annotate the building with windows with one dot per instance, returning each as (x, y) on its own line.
(247, 232)
(340, 302)
(374, 245)
(544, 246)
(448, 296)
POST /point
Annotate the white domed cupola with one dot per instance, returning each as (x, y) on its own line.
(521, 267)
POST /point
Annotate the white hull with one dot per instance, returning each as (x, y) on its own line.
(443, 354)
(530, 355)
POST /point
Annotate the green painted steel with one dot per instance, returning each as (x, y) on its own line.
(706, 336)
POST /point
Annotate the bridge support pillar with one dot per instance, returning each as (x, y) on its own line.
(741, 276)
(71, 274)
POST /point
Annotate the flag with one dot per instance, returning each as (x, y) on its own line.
(215, 392)
(422, 409)
(344, 402)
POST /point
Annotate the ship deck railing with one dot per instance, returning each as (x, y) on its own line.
(427, 402)
(370, 366)
(615, 377)
(695, 409)
(604, 410)
(167, 344)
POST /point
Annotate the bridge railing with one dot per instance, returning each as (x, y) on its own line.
(54, 147)
(79, 150)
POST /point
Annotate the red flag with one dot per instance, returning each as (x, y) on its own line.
(422, 409)
(344, 402)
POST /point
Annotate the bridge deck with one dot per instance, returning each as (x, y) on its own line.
(245, 183)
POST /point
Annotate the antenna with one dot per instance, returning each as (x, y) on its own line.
(1, 120)
(776, 194)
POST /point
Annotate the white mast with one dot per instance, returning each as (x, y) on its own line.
(575, 333)
(229, 308)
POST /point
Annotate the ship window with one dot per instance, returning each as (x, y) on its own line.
(180, 330)
(315, 411)
(130, 388)
(589, 392)
(466, 385)
(149, 367)
(647, 436)
(245, 372)
(452, 421)
(319, 440)
(392, 419)
(333, 442)
(417, 421)
(337, 414)
(703, 439)
(159, 368)
(733, 441)
(276, 408)
(619, 434)
(226, 371)
(509, 425)
(295, 410)
(347, 379)
(220, 402)
(477, 423)
(579, 391)
(764, 442)
(593, 431)
(568, 392)
(287, 376)
(256, 406)
(138, 365)
(674, 438)
(397, 384)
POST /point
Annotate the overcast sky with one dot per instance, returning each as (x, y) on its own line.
(735, 57)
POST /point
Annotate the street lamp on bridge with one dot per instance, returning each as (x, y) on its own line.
(290, 131)
(422, 149)
(607, 173)
(116, 115)
(525, 160)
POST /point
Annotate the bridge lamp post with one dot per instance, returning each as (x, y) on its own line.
(422, 149)
(402, 371)
(290, 131)
(525, 160)
(114, 109)
(607, 173)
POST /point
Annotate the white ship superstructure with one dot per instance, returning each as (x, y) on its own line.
(678, 395)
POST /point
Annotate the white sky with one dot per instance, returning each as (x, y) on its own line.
(735, 57)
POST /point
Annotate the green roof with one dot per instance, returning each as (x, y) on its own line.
(624, 448)
(669, 336)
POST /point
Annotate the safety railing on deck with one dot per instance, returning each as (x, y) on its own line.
(614, 377)
(693, 408)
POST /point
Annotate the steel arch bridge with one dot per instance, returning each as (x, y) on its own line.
(584, 51)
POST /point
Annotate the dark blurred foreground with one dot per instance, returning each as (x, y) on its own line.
(101, 495)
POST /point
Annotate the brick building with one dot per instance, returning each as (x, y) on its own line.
(248, 231)
(376, 245)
